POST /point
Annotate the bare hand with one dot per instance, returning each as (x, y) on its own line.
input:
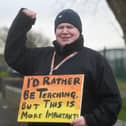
(29, 13)
(79, 121)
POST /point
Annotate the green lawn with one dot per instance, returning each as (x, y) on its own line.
(122, 88)
(122, 114)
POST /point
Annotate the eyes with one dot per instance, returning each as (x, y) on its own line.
(65, 27)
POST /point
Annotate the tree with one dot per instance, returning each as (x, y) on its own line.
(3, 36)
(34, 39)
(119, 9)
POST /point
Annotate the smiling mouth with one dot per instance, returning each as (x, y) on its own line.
(65, 38)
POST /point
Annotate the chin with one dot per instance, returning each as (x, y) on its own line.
(66, 43)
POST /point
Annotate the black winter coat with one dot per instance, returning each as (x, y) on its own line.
(101, 101)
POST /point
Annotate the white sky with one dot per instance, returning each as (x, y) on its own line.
(100, 28)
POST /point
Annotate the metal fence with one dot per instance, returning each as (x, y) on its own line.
(117, 60)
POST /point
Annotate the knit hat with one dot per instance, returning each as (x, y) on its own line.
(69, 16)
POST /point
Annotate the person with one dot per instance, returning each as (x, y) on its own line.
(101, 100)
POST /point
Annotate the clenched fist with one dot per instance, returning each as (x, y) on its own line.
(29, 13)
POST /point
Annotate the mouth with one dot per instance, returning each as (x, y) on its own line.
(65, 38)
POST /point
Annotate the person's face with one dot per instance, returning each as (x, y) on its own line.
(66, 34)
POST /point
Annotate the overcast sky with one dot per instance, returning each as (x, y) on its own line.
(100, 28)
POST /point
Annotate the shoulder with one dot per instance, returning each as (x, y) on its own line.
(93, 56)
(88, 52)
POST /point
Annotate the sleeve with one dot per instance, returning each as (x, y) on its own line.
(16, 54)
(108, 97)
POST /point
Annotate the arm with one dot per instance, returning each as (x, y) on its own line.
(16, 54)
(107, 96)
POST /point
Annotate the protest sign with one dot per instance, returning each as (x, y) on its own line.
(51, 98)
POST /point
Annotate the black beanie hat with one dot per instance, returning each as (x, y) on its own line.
(69, 16)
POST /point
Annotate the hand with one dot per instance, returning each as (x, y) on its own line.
(79, 121)
(29, 13)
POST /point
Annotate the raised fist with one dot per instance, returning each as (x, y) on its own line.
(29, 13)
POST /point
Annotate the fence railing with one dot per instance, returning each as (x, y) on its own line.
(117, 60)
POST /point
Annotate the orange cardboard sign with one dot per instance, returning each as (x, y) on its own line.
(51, 98)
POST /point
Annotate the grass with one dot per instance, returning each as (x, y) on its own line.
(4, 74)
(122, 114)
(122, 85)
(122, 88)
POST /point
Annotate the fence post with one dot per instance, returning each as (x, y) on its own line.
(2, 89)
(104, 52)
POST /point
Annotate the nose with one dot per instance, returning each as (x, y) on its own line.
(65, 30)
